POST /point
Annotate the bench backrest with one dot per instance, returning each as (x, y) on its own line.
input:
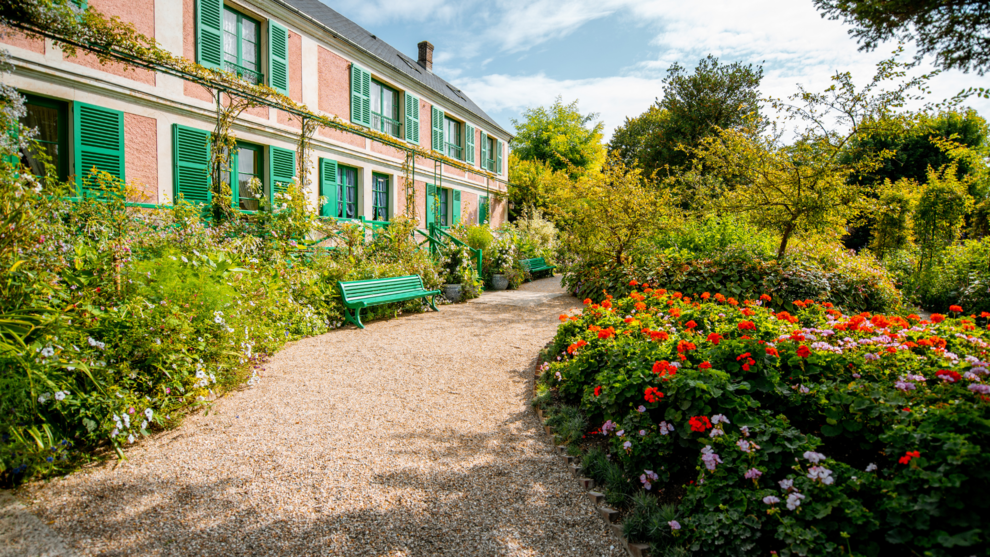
(535, 262)
(357, 289)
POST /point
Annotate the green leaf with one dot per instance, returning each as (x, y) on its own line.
(831, 430)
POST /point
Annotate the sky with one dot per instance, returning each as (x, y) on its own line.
(612, 55)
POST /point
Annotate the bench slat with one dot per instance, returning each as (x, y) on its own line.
(359, 294)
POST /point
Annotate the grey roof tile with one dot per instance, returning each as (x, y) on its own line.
(336, 23)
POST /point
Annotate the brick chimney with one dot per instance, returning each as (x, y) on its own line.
(426, 55)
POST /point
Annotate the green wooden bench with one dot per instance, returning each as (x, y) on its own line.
(359, 294)
(536, 265)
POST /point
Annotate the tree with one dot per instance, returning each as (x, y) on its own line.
(957, 32)
(939, 214)
(716, 96)
(807, 185)
(532, 183)
(560, 137)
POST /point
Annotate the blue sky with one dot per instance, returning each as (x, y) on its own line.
(611, 55)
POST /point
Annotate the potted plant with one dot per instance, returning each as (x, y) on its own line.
(503, 261)
(454, 275)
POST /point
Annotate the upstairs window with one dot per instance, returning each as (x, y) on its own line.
(489, 164)
(452, 137)
(241, 45)
(384, 109)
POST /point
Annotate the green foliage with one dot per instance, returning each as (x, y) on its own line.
(694, 106)
(954, 32)
(960, 274)
(939, 214)
(806, 432)
(560, 137)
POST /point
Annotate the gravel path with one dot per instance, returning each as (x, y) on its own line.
(413, 437)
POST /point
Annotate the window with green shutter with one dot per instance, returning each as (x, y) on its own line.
(437, 117)
(379, 199)
(246, 163)
(347, 193)
(50, 118)
(209, 33)
(483, 210)
(455, 209)
(281, 170)
(242, 45)
(469, 143)
(444, 206)
(412, 119)
(483, 162)
(278, 57)
(98, 144)
(191, 165)
(328, 187)
(384, 109)
(81, 4)
(491, 153)
(360, 96)
(452, 139)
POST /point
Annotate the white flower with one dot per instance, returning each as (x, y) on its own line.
(719, 419)
(771, 500)
(184, 260)
(786, 484)
(814, 457)
(60, 395)
(47, 351)
(821, 473)
(144, 424)
(114, 433)
(871, 467)
(130, 438)
(127, 421)
(149, 413)
(794, 501)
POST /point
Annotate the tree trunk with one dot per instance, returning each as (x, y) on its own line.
(783, 241)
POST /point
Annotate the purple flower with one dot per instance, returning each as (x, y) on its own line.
(620, 433)
(771, 500)
(719, 419)
(814, 457)
(642, 432)
(786, 484)
(979, 388)
(627, 445)
(904, 386)
(666, 428)
(752, 474)
(794, 501)
(641, 409)
(674, 525)
(608, 427)
(646, 477)
(709, 457)
(821, 473)
(870, 356)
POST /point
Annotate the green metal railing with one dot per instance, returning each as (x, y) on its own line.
(443, 237)
(251, 76)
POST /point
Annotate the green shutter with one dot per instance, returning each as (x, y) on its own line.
(455, 217)
(14, 158)
(437, 117)
(281, 170)
(360, 96)
(482, 210)
(483, 163)
(278, 57)
(209, 33)
(328, 187)
(412, 119)
(469, 143)
(191, 165)
(98, 143)
(431, 204)
(81, 4)
(498, 159)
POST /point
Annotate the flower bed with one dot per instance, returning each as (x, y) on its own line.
(803, 433)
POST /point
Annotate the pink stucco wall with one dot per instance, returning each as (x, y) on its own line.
(383, 149)
(334, 84)
(425, 131)
(141, 156)
(140, 14)
(295, 78)
(469, 207)
(18, 39)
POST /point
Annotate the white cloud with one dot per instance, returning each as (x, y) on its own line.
(378, 12)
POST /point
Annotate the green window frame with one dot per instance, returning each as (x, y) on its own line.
(483, 210)
(347, 192)
(452, 137)
(490, 150)
(97, 144)
(51, 118)
(247, 162)
(379, 197)
(444, 205)
(385, 109)
(241, 44)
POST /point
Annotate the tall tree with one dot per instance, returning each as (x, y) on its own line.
(957, 32)
(561, 137)
(694, 105)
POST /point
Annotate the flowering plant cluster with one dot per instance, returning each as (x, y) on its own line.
(802, 432)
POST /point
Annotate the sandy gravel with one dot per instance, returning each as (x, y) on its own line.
(413, 437)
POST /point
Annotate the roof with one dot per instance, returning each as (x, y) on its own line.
(340, 25)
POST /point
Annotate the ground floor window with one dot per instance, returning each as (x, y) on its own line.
(346, 193)
(380, 197)
(444, 204)
(51, 120)
(246, 164)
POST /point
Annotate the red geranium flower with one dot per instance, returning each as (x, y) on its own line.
(771, 351)
(747, 325)
(908, 456)
(937, 318)
(748, 312)
(704, 365)
(714, 338)
(633, 283)
(685, 346)
(587, 301)
(691, 324)
(705, 296)
(598, 390)
(803, 351)
(606, 333)
(700, 423)
(957, 309)
(652, 394)
(765, 297)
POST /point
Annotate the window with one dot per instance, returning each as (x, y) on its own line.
(444, 198)
(384, 109)
(490, 163)
(241, 45)
(51, 119)
(452, 136)
(245, 164)
(347, 193)
(379, 191)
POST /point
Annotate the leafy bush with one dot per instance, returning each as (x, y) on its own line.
(960, 274)
(808, 432)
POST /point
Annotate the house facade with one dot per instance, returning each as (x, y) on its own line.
(149, 128)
